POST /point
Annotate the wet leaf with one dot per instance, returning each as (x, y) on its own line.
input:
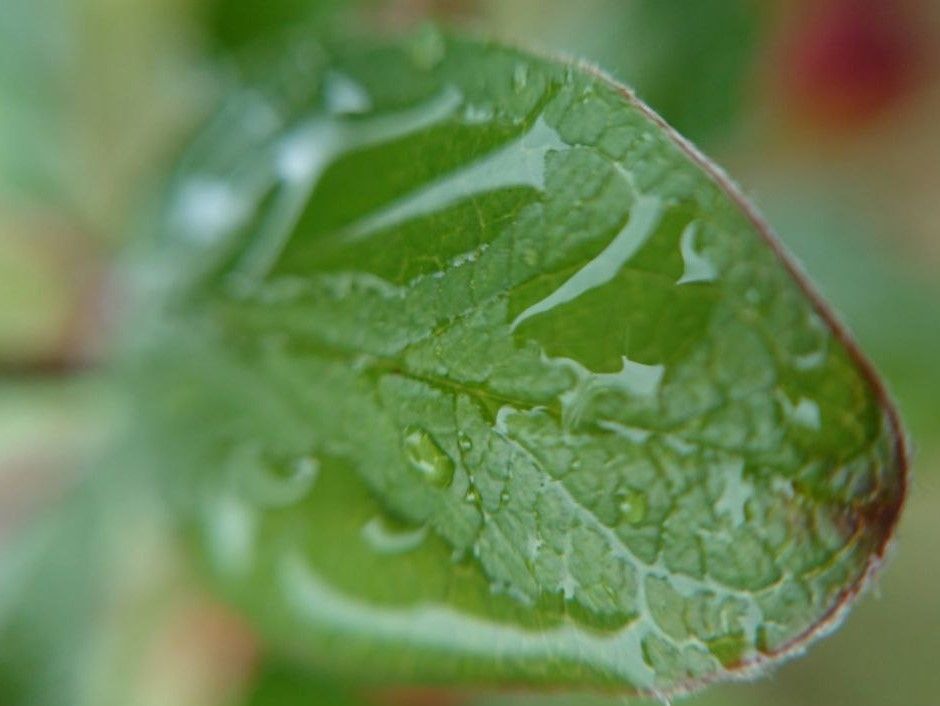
(465, 368)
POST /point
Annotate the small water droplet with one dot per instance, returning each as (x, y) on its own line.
(520, 77)
(662, 698)
(427, 48)
(344, 96)
(207, 209)
(633, 507)
(464, 441)
(804, 413)
(233, 526)
(478, 114)
(504, 496)
(387, 537)
(697, 268)
(274, 481)
(472, 496)
(427, 458)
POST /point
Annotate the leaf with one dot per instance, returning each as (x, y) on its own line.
(464, 367)
(284, 684)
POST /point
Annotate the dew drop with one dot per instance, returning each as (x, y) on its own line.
(697, 268)
(344, 96)
(427, 48)
(385, 537)
(207, 209)
(272, 481)
(633, 507)
(427, 458)
(472, 495)
(464, 442)
(478, 114)
(520, 77)
(232, 532)
(804, 413)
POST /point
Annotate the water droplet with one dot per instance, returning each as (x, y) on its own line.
(633, 507)
(344, 96)
(207, 209)
(632, 434)
(232, 526)
(385, 537)
(662, 698)
(633, 379)
(427, 458)
(504, 496)
(679, 445)
(783, 486)
(518, 163)
(697, 267)
(272, 481)
(737, 491)
(427, 48)
(804, 413)
(644, 218)
(472, 496)
(520, 77)
(464, 442)
(478, 114)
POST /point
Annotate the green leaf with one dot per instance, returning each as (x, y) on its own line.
(464, 367)
(285, 684)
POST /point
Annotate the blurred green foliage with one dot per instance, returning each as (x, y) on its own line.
(36, 37)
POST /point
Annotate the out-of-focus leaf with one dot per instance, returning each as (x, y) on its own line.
(35, 44)
(235, 24)
(49, 592)
(282, 684)
(464, 367)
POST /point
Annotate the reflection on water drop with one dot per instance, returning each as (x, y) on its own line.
(472, 496)
(464, 442)
(302, 155)
(385, 538)
(518, 163)
(520, 77)
(207, 209)
(633, 507)
(634, 380)
(804, 413)
(427, 458)
(783, 486)
(232, 527)
(344, 96)
(697, 267)
(736, 492)
(478, 114)
(427, 48)
(644, 217)
(662, 698)
(632, 434)
(271, 481)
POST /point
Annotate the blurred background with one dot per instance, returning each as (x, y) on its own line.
(827, 112)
